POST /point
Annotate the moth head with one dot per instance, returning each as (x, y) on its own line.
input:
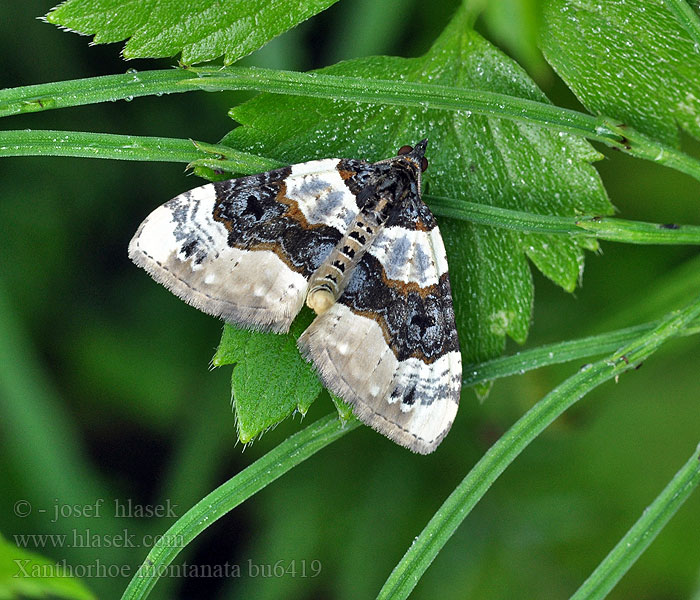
(416, 154)
(413, 159)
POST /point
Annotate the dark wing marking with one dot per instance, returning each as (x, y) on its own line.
(241, 249)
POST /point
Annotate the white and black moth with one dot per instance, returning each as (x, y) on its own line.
(353, 240)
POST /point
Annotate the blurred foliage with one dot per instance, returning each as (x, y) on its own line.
(105, 391)
(43, 579)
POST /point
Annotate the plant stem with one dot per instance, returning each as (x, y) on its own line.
(642, 533)
(424, 95)
(403, 93)
(91, 90)
(321, 85)
(217, 156)
(642, 146)
(560, 352)
(605, 228)
(226, 497)
(124, 147)
(459, 504)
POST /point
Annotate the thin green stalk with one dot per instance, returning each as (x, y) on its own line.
(129, 147)
(604, 228)
(404, 93)
(459, 504)
(125, 147)
(439, 97)
(321, 85)
(642, 146)
(91, 90)
(560, 352)
(638, 232)
(226, 497)
(642, 533)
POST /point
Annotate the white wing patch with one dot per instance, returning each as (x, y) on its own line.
(355, 362)
(256, 288)
(321, 194)
(411, 255)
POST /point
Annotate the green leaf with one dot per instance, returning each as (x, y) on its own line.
(270, 380)
(633, 61)
(343, 408)
(28, 575)
(201, 29)
(482, 159)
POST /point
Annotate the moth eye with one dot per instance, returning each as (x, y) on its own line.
(423, 164)
(405, 150)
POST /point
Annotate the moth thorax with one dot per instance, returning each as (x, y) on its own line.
(320, 299)
(329, 280)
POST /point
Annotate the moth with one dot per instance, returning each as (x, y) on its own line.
(356, 243)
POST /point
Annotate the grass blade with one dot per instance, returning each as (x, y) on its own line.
(216, 156)
(642, 533)
(459, 504)
(561, 352)
(604, 228)
(92, 90)
(376, 91)
(226, 497)
(84, 144)
(430, 96)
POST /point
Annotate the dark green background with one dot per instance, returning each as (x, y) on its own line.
(106, 393)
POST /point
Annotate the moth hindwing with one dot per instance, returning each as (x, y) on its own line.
(353, 240)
